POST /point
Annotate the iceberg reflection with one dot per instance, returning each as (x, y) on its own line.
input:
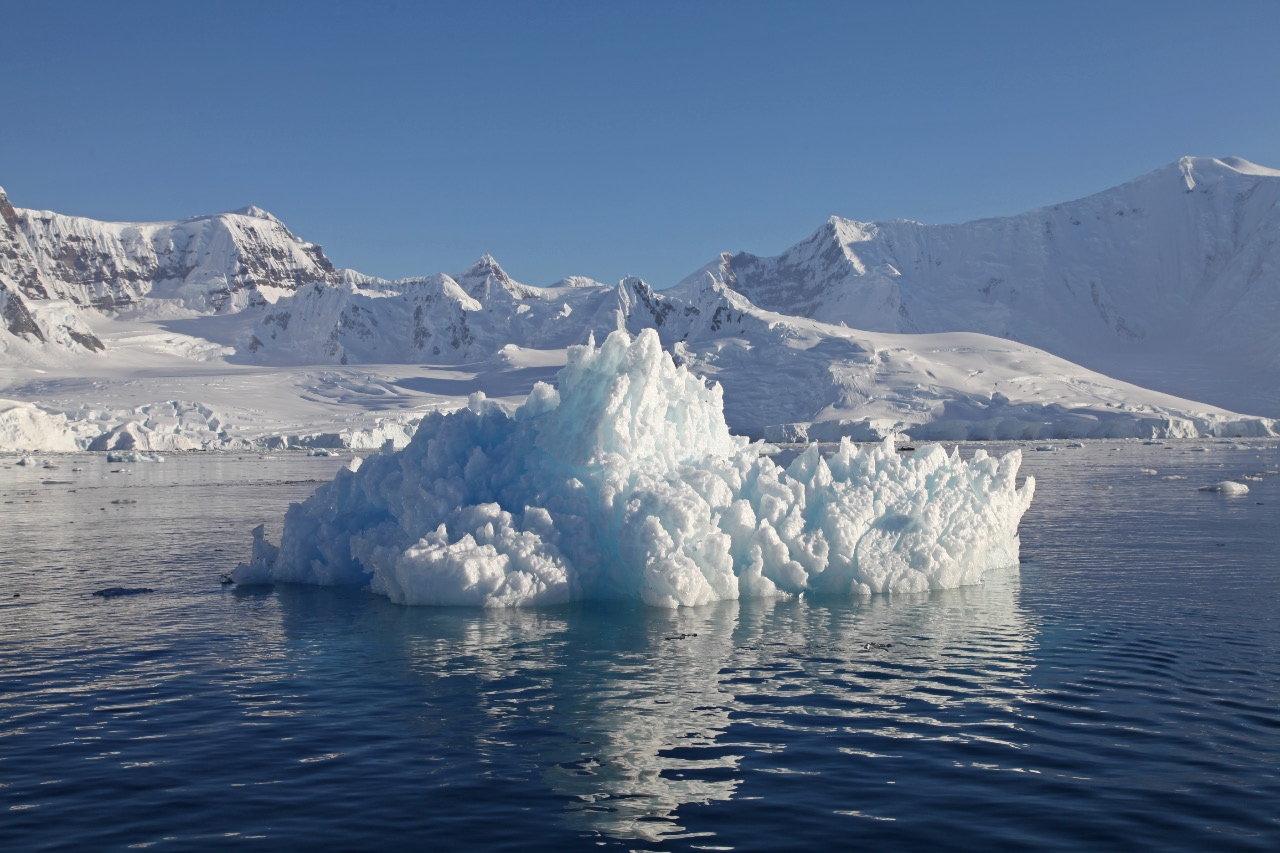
(623, 715)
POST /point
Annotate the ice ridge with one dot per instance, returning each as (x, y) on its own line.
(626, 483)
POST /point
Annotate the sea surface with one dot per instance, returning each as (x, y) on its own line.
(1119, 690)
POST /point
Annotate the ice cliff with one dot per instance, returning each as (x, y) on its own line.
(625, 483)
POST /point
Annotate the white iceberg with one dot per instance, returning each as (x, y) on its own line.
(625, 483)
(1227, 487)
(27, 427)
(133, 456)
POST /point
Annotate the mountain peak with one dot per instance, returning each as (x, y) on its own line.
(485, 278)
(841, 231)
(6, 209)
(257, 213)
(487, 265)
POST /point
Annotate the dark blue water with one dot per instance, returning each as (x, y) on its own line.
(1121, 691)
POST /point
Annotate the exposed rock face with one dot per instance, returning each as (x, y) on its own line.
(17, 319)
(203, 264)
(21, 280)
(53, 266)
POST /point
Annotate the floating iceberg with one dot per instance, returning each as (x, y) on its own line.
(1227, 487)
(133, 456)
(625, 483)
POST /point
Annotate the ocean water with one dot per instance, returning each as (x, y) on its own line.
(1120, 690)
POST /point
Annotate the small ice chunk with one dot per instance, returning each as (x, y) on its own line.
(118, 591)
(133, 456)
(1151, 472)
(261, 562)
(1046, 447)
(1173, 477)
(1227, 487)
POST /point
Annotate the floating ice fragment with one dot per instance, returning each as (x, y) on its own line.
(1173, 477)
(1227, 487)
(133, 456)
(258, 569)
(117, 591)
(1151, 472)
(624, 482)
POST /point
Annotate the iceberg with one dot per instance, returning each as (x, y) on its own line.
(1227, 487)
(133, 456)
(624, 482)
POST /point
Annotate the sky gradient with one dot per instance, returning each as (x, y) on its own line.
(606, 139)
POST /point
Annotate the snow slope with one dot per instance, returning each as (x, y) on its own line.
(1171, 280)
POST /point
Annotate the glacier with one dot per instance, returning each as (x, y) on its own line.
(625, 482)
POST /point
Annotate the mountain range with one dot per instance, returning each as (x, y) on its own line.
(1046, 323)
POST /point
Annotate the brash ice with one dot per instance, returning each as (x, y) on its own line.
(625, 483)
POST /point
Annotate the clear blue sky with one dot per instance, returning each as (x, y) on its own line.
(613, 138)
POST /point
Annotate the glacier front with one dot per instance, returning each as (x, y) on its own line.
(626, 483)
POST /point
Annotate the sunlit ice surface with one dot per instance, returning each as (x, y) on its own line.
(624, 482)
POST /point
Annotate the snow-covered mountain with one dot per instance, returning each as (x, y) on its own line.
(1170, 281)
(205, 264)
(225, 330)
(446, 319)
